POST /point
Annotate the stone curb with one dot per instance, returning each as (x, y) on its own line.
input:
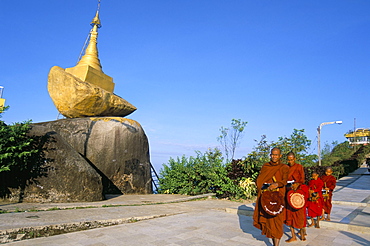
(356, 204)
(241, 211)
(248, 211)
(344, 227)
(17, 234)
(107, 204)
(192, 198)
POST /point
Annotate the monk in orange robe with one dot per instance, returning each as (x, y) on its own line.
(296, 218)
(314, 204)
(329, 185)
(275, 173)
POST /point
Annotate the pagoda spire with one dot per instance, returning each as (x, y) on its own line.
(91, 53)
(89, 69)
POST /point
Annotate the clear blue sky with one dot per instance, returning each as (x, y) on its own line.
(191, 66)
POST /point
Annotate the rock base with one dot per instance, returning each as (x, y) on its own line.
(86, 158)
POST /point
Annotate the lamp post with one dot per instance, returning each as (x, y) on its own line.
(318, 135)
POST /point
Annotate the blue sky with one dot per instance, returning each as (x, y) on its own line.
(192, 66)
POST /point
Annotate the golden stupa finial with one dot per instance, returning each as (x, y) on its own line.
(91, 53)
(96, 20)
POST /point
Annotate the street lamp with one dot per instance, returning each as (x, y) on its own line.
(318, 135)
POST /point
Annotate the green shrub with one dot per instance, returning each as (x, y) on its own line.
(16, 148)
(194, 175)
(202, 174)
(21, 156)
(239, 183)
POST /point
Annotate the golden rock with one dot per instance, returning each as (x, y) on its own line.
(75, 98)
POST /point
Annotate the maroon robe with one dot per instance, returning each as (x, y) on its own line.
(296, 173)
(271, 226)
(329, 182)
(297, 218)
(314, 209)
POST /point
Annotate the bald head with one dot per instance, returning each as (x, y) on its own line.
(315, 175)
(329, 171)
(291, 154)
(276, 149)
(275, 155)
(291, 159)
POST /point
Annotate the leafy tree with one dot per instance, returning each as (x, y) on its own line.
(260, 153)
(230, 137)
(2, 109)
(299, 144)
(336, 152)
(345, 158)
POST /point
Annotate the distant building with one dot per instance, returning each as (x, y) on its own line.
(360, 136)
(2, 100)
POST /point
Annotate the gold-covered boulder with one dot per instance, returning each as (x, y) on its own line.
(75, 98)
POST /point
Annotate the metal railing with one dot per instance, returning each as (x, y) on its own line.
(155, 179)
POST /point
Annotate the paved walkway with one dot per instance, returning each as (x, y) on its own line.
(168, 220)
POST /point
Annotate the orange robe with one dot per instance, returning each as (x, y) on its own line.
(314, 209)
(296, 218)
(271, 226)
(329, 182)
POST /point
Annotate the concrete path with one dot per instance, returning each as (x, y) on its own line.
(177, 220)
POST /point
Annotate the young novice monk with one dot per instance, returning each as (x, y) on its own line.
(314, 204)
(329, 185)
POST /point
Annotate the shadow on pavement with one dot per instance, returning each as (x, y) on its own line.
(357, 239)
(246, 224)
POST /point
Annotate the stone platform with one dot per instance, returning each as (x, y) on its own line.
(181, 220)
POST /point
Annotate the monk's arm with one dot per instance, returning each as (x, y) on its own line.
(260, 179)
(285, 172)
(331, 183)
(301, 175)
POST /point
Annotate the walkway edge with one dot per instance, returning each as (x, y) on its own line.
(17, 234)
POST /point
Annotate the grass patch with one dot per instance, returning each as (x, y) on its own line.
(132, 220)
(110, 206)
(18, 210)
(85, 207)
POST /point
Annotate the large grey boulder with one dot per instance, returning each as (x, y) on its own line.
(61, 175)
(116, 147)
